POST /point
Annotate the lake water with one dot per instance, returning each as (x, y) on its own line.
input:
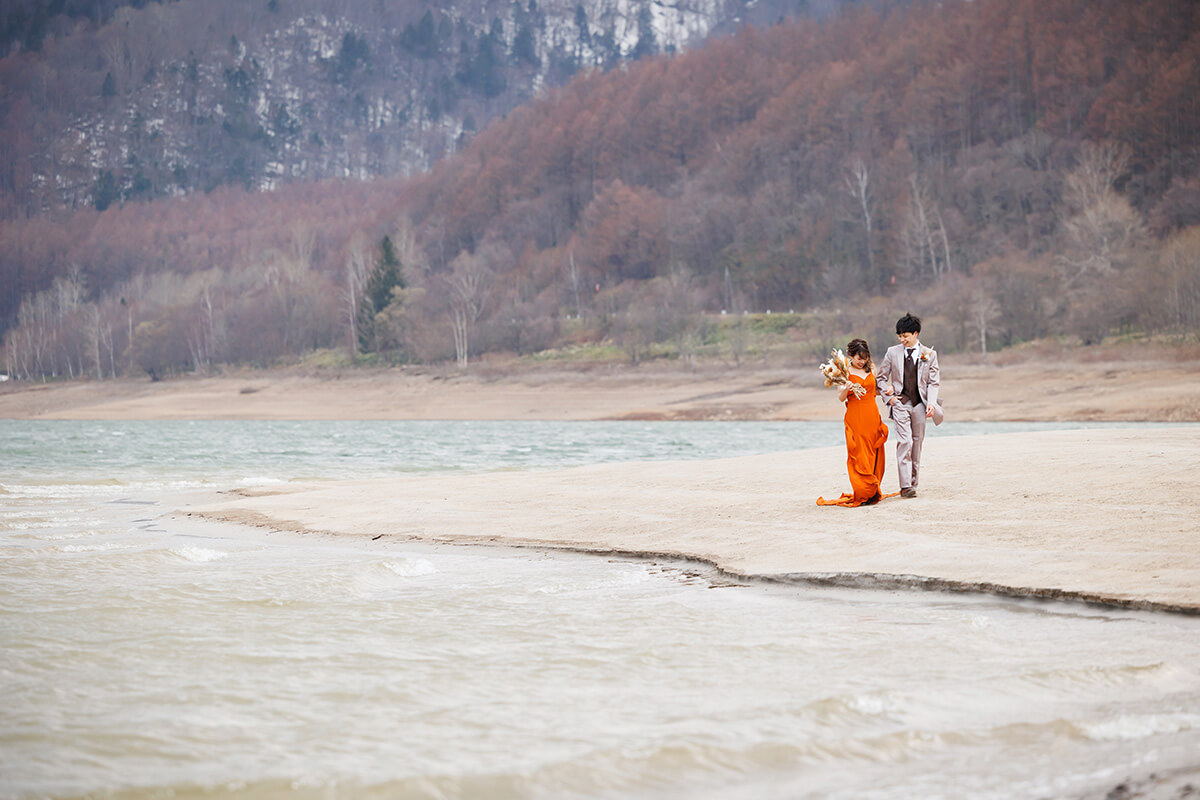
(147, 655)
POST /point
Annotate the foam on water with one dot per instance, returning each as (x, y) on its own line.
(67, 490)
(872, 703)
(87, 548)
(29, 522)
(1098, 676)
(260, 481)
(198, 555)
(377, 580)
(409, 567)
(59, 534)
(1140, 726)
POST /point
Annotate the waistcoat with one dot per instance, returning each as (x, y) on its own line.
(910, 393)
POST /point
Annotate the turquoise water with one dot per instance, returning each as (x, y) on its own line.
(143, 654)
(358, 449)
(211, 450)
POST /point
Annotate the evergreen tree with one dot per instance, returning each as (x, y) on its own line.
(581, 22)
(354, 52)
(524, 48)
(483, 70)
(106, 192)
(378, 293)
(422, 40)
(647, 43)
(385, 277)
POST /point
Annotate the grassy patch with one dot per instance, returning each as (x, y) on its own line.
(329, 358)
(588, 352)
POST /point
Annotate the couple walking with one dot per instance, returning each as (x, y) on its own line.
(908, 380)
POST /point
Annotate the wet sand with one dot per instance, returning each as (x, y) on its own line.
(1106, 515)
(1109, 516)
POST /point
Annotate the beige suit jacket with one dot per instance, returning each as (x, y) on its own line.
(929, 380)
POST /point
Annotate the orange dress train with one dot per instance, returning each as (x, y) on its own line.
(866, 435)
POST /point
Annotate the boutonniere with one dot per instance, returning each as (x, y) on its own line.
(925, 353)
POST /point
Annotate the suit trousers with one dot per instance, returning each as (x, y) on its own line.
(908, 425)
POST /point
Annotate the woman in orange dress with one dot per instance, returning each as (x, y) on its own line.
(866, 432)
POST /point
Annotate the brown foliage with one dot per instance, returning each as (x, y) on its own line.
(729, 163)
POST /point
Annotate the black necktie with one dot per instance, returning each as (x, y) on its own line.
(908, 353)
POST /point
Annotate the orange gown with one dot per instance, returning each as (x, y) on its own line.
(866, 434)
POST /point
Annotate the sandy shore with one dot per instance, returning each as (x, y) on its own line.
(1128, 390)
(1105, 515)
(1110, 516)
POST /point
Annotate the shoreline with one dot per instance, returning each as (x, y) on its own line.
(1028, 502)
(1109, 537)
(1033, 391)
(877, 582)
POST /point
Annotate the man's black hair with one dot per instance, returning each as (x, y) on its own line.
(908, 324)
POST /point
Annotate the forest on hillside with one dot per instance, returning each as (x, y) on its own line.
(1012, 168)
(105, 102)
(159, 99)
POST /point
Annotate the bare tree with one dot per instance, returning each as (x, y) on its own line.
(925, 245)
(468, 284)
(50, 337)
(1100, 166)
(679, 300)
(408, 249)
(358, 268)
(1102, 236)
(69, 291)
(95, 336)
(573, 275)
(1100, 225)
(937, 214)
(107, 339)
(1175, 299)
(984, 311)
(116, 58)
(303, 242)
(202, 333)
(1100, 239)
(635, 328)
(858, 184)
(282, 274)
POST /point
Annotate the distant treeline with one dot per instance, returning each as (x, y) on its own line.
(1016, 168)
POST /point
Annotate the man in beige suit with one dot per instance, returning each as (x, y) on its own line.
(908, 381)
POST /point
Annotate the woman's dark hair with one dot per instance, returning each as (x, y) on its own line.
(858, 347)
(908, 324)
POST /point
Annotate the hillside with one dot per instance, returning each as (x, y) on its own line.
(1014, 169)
(108, 102)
